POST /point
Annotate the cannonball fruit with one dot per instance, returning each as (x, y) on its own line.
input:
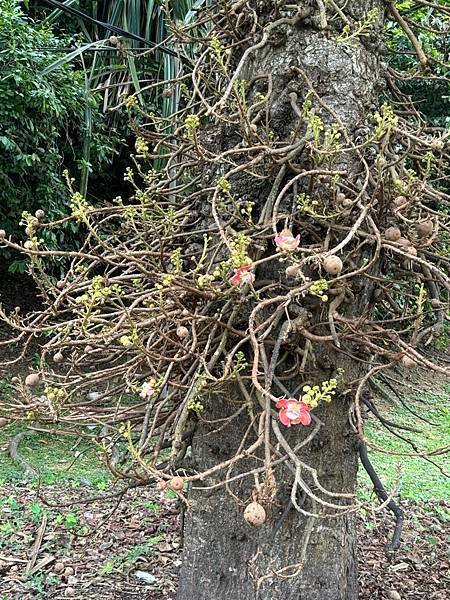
(437, 144)
(435, 303)
(255, 514)
(113, 40)
(182, 332)
(176, 483)
(59, 567)
(2, 234)
(392, 234)
(403, 242)
(425, 228)
(400, 201)
(408, 363)
(333, 265)
(340, 197)
(3, 422)
(39, 214)
(32, 379)
(58, 357)
(161, 485)
(347, 202)
(411, 250)
(292, 270)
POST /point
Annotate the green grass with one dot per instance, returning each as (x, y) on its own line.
(415, 478)
(57, 459)
(63, 459)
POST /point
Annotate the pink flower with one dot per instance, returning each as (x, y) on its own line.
(148, 389)
(286, 242)
(293, 412)
(243, 275)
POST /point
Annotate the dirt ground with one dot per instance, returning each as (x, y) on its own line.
(104, 551)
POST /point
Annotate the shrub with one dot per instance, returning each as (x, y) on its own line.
(48, 122)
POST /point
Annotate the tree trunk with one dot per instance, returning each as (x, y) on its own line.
(292, 556)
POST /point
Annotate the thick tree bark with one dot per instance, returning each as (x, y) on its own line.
(291, 556)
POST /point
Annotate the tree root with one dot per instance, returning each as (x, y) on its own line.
(394, 544)
(13, 449)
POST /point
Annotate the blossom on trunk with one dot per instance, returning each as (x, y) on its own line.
(148, 389)
(286, 241)
(243, 275)
(293, 412)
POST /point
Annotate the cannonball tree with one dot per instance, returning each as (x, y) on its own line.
(231, 313)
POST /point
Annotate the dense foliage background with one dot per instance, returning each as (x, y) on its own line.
(46, 118)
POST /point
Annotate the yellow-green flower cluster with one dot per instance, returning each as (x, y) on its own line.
(129, 175)
(191, 124)
(224, 185)
(205, 280)
(79, 207)
(54, 394)
(129, 340)
(195, 405)
(313, 395)
(130, 101)
(318, 288)
(239, 246)
(141, 147)
(98, 292)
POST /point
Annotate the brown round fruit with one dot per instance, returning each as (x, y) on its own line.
(425, 229)
(58, 357)
(347, 202)
(400, 200)
(39, 214)
(392, 234)
(411, 250)
(403, 242)
(182, 332)
(3, 422)
(435, 302)
(437, 144)
(340, 197)
(59, 567)
(161, 485)
(2, 234)
(408, 362)
(68, 571)
(255, 514)
(32, 380)
(176, 483)
(292, 270)
(333, 265)
(113, 40)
